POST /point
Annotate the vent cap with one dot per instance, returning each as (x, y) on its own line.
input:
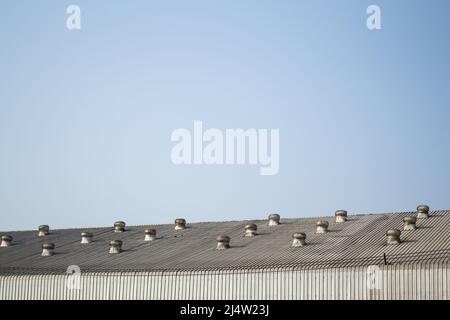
(180, 224)
(119, 226)
(86, 237)
(150, 234)
(423, 211)
(6, 241)
(250, 230)
(43, 230)
(393, 236)
(274, 219)
(48, 249)
(115, 246)
(409, 223)
(341, 216)
(321, 226)
(298, 239)
(223, 242)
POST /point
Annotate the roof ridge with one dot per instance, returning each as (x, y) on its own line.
(228, 221)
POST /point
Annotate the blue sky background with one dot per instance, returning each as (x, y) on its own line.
(86, 116)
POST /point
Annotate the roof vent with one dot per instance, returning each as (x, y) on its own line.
(423, 211)
(298, 239)
(274, 219)
(6, 241)
(180, 224)
(150, 234)
(86, 237)
(223, 242)
(250, 230)
(48, 249)
(43, 230)
(115, 246)
(393, 236)
(119, 226)
(341, 216)
(409, 223)
(321, 226)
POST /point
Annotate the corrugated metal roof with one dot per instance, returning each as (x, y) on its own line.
(359, 241)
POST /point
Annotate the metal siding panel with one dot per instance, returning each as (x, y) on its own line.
(10, 287)
(223, 284)
(53, 284)
(259, 289)
(111, 286)
(33, 288)
(294, 285)
(152, 286)
(137, 285)
(169, 287)
(424, 281)
(161, 292)
(235, 285)
(23, 283)
(181, 286)
(162, 285)
(15, 289)
(148, 280)
(3, 287)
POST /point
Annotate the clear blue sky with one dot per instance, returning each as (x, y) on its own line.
(86, 116)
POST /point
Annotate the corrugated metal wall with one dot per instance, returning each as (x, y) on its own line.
(420, 281)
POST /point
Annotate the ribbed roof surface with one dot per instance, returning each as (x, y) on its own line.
(359, 241)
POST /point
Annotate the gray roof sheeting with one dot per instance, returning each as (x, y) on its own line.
(359, 241)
